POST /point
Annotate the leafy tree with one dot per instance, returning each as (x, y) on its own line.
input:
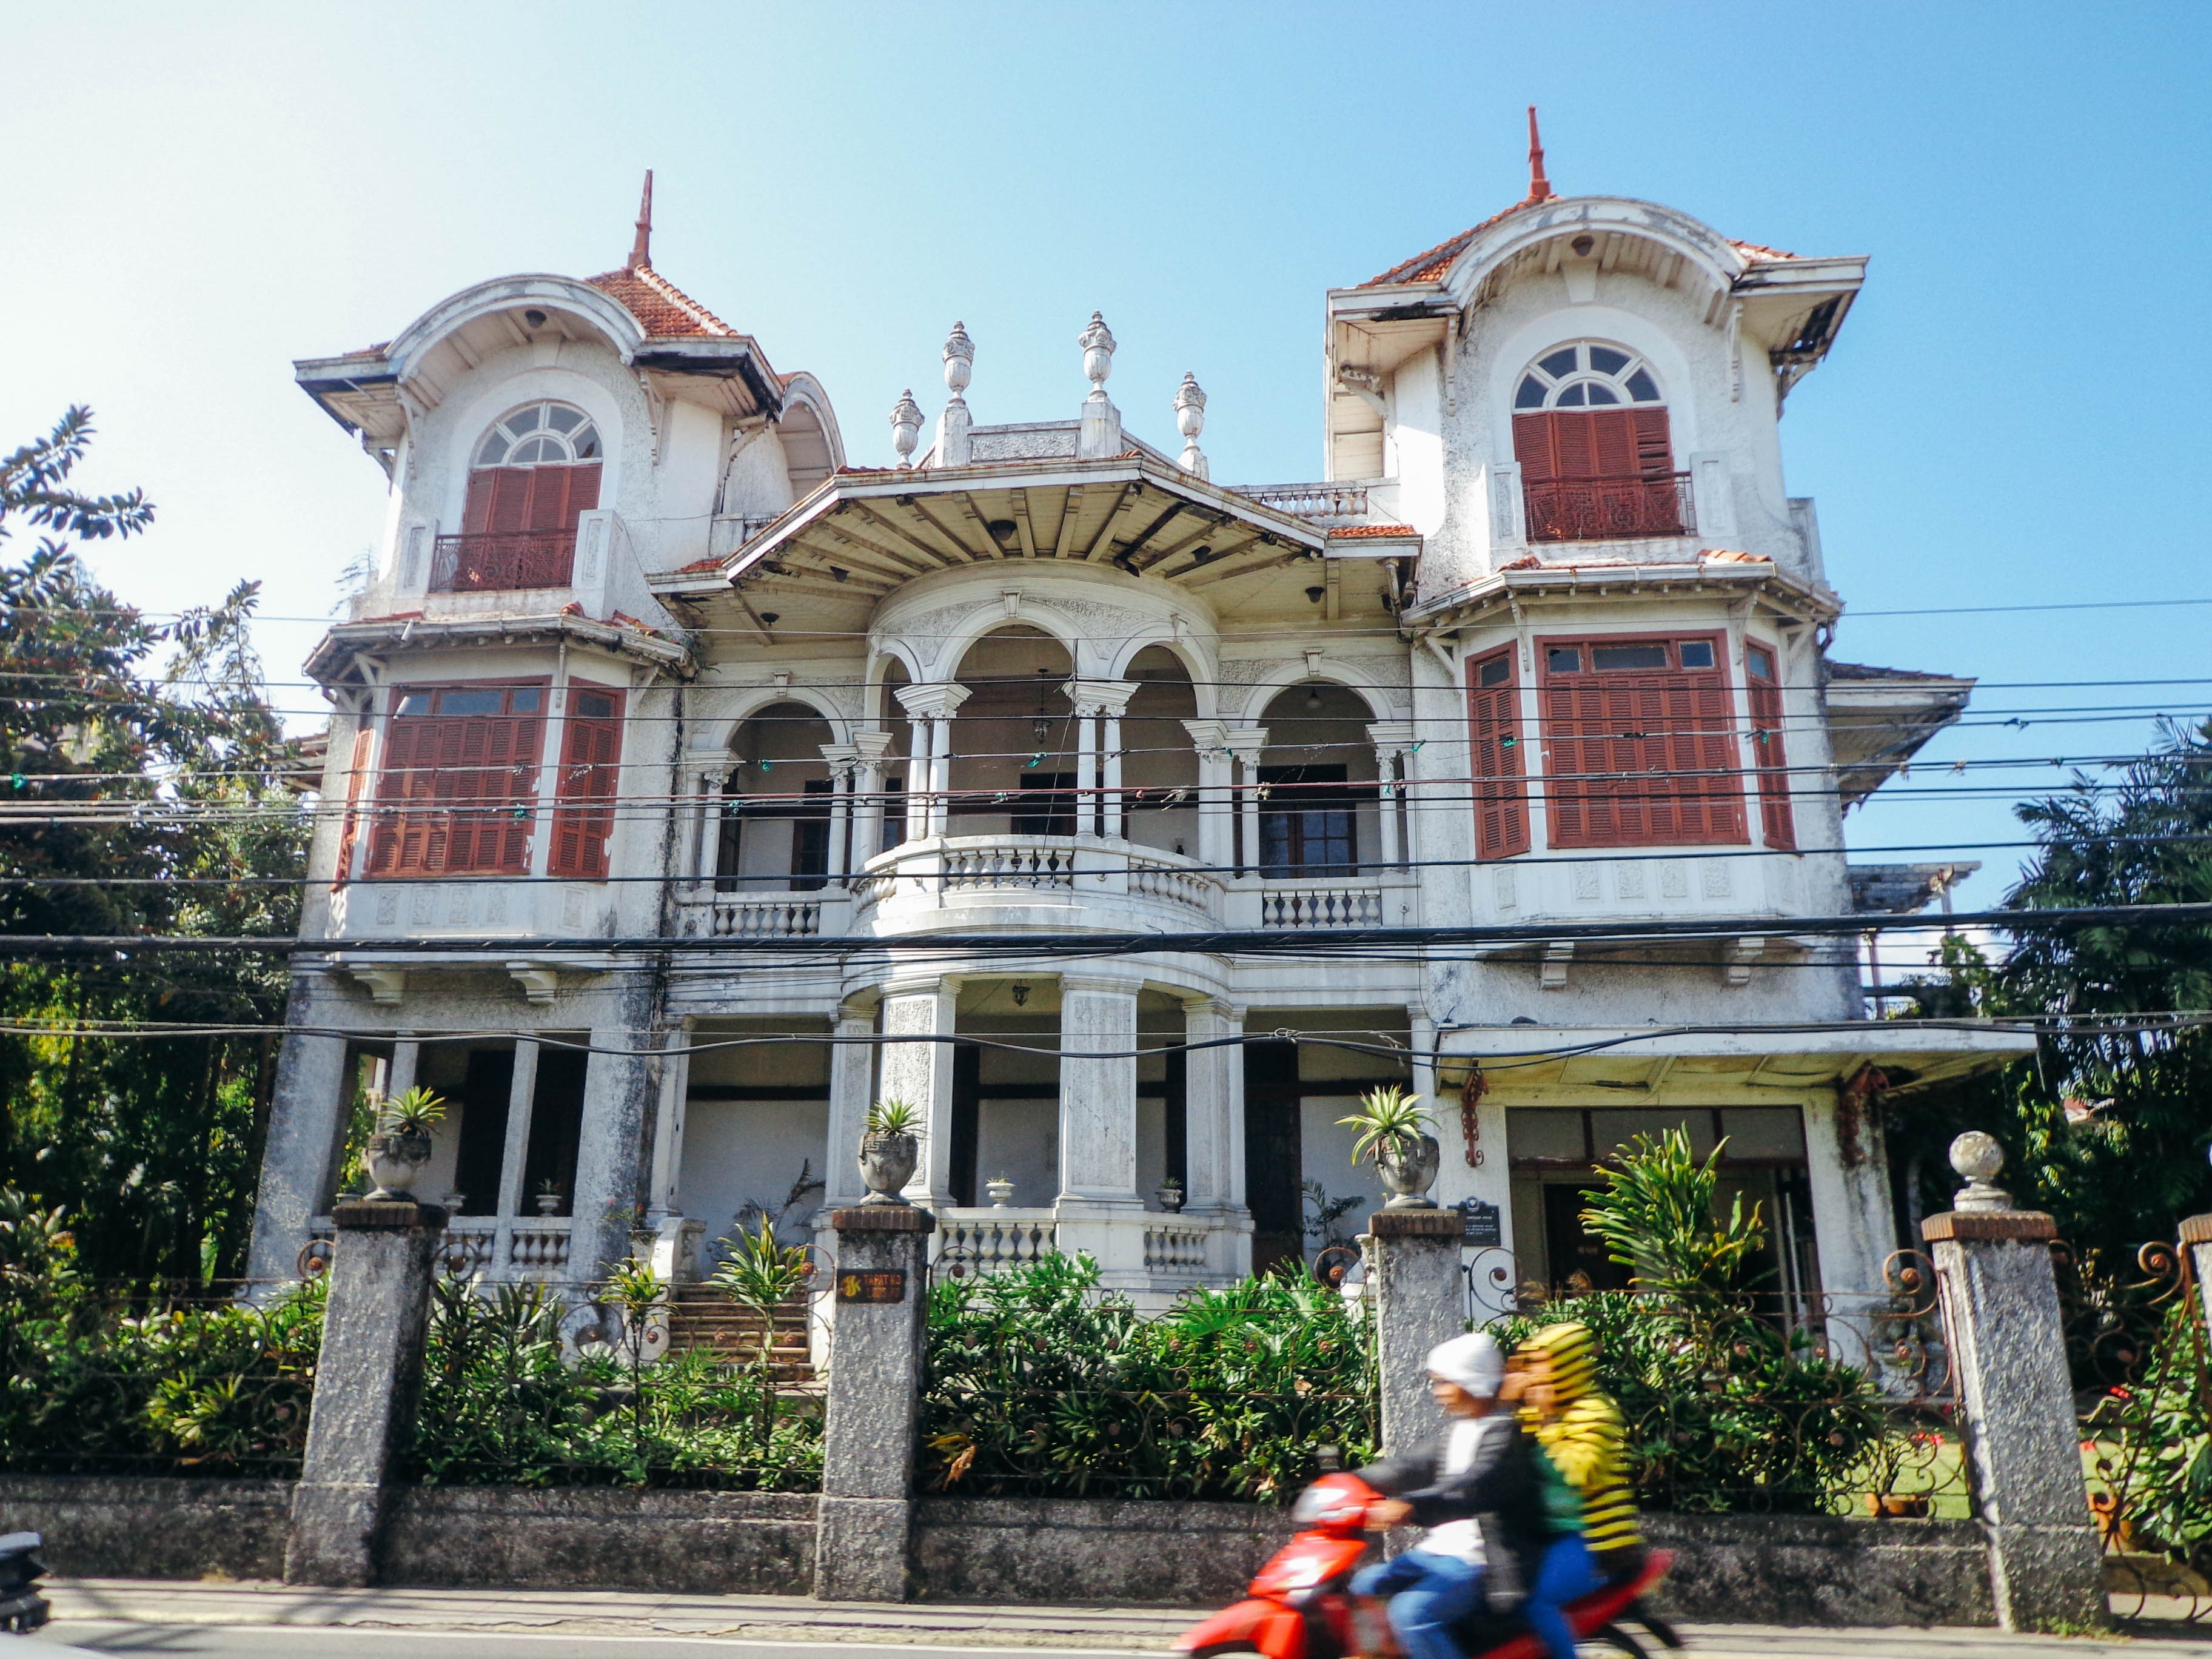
(2105, 1129)
(153, 793)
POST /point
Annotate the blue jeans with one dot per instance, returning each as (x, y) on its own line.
(1567, 1574)
(1428, 1593)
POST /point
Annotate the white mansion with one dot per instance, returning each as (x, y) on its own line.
(680, 767)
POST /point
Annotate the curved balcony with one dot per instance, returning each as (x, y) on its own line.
(966, 882)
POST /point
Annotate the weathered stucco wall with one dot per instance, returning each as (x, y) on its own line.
(100, 1526)
(1050, 1549)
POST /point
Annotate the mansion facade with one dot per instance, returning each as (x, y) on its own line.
(691, 786)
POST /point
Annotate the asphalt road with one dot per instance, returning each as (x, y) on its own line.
(329, 1641)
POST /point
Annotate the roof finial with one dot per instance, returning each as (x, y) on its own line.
(641, 250)
(1539, 187)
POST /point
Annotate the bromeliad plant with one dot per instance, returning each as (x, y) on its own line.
(1390, 1122)
(764, 1275)
(892, 1117)
(413, 1113)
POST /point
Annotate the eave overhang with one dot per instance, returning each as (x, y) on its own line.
(335, 661)
(1730, 577)
(1624, 1066)
(1879, 718)
(860, 535)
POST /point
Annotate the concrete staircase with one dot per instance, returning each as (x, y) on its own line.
(701, 1317)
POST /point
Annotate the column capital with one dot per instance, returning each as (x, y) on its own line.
(871, 746)
(1245, 742)
(1211, 737)
(1203, 1002)
(923, 985)
(1098, 983)
(1390, 736)
(840, 757)
(933, 699)
(1107, 698)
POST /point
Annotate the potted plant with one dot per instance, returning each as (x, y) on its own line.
(1001, 1191)
(548, 1196)
(401, 1145)
(890, 1145)
(1170, 1193)
(1394, 1129)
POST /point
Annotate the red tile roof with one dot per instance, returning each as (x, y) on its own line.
(1427, 267)
(1760, 251)
(1360, 533)
(664, 309)
(698, 565)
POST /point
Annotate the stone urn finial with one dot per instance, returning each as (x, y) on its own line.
(1190, 421)
(890, 1147)
(1978, 1157)
(906, 427)
(959, 360)
(1097, 343)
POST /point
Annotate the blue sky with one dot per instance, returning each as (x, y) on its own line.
(2014, 416)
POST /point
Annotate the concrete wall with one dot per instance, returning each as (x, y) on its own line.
(1807, 1570)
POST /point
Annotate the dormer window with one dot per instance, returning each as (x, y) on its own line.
(536, 472)
(1597, 461)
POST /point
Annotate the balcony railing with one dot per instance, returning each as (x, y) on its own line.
(490, 564)
(1335, 501)
(1610, 509)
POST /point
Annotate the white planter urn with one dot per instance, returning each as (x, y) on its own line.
(1001, 1192)
(395, 1163)
(1171, 1198)
(1409, 1169)
(548, 1203)
(886, 1165)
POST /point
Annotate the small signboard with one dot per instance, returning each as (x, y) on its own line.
(874, 1284)
(1480, 1224)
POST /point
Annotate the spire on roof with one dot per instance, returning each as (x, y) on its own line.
(1539, 187)
(641, 250)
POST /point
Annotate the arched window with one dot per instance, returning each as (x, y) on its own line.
(535, 472)
(1597, 461)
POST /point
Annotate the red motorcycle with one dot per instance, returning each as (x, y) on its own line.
(1301, 1606)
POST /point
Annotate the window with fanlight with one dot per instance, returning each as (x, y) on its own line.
(1591, 436)
(531, 475)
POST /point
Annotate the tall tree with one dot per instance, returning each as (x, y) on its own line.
(148, 790)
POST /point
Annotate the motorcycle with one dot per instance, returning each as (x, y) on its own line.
(1301, 1606)
(22, 1609)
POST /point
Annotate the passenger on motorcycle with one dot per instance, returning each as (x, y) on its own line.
(1478, 1489)
(1553, 1382)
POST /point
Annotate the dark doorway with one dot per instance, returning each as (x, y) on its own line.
(1177, 1116)
(1573, 1253)
(481, 1148)
(1306, 821)
(967, 1120)
(1275, 1153)
(557, 1119)
(809, 838)
(1046, 806)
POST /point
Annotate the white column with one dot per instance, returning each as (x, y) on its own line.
(841, 758)
(406, 1054)
(1390, 738)
(868, 787)
(1216, 829)
(1098, 1098)
(852, 1078)
(933, 705)
(921, 1074)
(519, 1094)
(709, 849)
(1853, 1228)
(1246, 746)
(1086, 766)
(668, 1123)
(1108, 699)
(1421, 1034)
(1213, 1113)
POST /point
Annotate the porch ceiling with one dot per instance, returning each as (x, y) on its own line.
(825, 564)
(1709, 1064)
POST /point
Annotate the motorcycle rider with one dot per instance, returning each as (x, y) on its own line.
(1553, 1382)
(1483, 1469)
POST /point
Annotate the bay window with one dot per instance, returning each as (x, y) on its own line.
(455, 794)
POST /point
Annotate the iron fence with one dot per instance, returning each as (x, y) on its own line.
(211, 1380)
(1610, 509)
(493, 563)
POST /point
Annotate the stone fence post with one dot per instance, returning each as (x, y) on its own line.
(875, 1395)
(1420, 1300)
(2008, 1341)
(367, 1379)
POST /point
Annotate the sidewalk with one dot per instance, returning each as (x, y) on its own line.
(793, 1619)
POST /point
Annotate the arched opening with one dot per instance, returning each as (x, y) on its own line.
(1159, 762)
(1597, 461)
(1014, 739)
(531, 478)
(1319, 784)
(776, 806)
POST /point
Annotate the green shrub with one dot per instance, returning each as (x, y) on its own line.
(1039, 1384)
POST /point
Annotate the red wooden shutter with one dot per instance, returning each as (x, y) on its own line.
(1534, 449)
(583, 813)
(1501, 799)
(558, 494)
(1769, 755)
(356, 783)
(1653, 447)
(1640, 759)
(454, 793)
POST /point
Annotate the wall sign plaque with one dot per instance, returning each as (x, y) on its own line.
(875, 1284)
(1484, 1225)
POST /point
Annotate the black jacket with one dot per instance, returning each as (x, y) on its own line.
(1499, 1490)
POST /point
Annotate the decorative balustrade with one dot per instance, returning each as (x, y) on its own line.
(1610, 509)
(989, 1241)
(1173, 883)
(486, 564)
(1320, 906)
(538, 1248)
(1311, 500)
(921, 881)
(1040, 863)
(1175, 1247)
(736, 915)
(469, 1247)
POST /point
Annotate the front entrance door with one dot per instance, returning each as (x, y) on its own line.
(1577, 1258)
(1274, 1154)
